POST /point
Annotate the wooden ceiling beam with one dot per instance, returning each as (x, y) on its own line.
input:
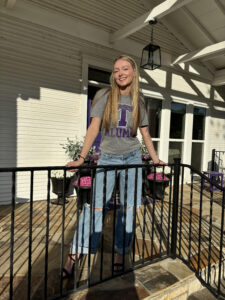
(206, 52)
(219, 78)
(157, 12)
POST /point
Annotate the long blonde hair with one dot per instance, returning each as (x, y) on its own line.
(111, 109)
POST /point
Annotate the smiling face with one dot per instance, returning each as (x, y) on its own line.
(123, 73)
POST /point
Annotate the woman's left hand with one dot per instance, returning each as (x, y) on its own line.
(160, 163)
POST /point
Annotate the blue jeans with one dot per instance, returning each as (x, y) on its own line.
(127, 200)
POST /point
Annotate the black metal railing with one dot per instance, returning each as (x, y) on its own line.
(175, 220)
(201, 229)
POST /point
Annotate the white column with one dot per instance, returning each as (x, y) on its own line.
(206, 148)
(187, 147)
(188, 134)
(165, 130)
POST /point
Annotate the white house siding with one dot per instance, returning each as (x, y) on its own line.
(41, 77)
(216, 133)
(40, 102)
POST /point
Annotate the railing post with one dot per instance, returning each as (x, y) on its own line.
(213, 159)
(175, 207)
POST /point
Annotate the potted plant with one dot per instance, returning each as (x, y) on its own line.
(154, 183)
(145, 160)
(157, 182)
(72, 149)
(57, 179)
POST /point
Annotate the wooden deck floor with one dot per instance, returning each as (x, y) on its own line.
(148, 237)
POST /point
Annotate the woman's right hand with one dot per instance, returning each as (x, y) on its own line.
(75, 163)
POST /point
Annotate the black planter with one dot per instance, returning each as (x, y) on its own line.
(84, 192)
(145, 183)
(57, 188)
(83, 196)
(157, 188)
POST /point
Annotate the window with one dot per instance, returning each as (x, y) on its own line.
(175, 151)
(196, 155)
(198, 134)
(177, 122)
(154, 107)
(199, 123)
(96, 80)
(98, 75)
(156, 146)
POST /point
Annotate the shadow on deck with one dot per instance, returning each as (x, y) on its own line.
(152, 242)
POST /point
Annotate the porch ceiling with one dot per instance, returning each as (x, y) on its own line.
(188, 29)
(202, 23)
(198, 24)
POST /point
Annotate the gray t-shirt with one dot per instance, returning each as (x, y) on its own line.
(119, 139)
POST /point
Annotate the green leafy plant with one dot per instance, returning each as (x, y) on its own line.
(144, 150)
(73, 148)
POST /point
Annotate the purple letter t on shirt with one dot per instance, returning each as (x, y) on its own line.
(123, 108)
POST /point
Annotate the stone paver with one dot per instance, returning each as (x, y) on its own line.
(150, 282)
(204, 294)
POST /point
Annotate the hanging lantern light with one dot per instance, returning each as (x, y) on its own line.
(151, 54)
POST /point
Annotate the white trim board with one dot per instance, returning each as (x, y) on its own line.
(219, 78)
(208, 52)
(158, 95)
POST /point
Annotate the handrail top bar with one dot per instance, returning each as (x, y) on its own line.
(91, 166)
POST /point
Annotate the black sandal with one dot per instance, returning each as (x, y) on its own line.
(68, 275)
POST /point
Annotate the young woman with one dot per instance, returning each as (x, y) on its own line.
(119, 112)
